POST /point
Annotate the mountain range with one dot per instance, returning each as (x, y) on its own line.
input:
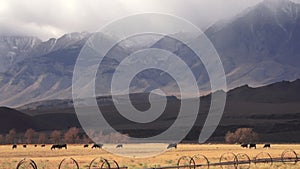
(260, 46)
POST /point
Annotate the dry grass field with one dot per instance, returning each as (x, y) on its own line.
(50, 159)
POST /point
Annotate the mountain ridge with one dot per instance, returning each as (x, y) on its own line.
(258, 47)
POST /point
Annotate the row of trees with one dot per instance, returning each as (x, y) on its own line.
(31, 136)
(71, 136)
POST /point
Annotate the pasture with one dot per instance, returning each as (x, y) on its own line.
(50, 159)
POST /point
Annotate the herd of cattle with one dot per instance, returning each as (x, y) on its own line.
(61, 146)
(14, 146)
(242, 145)
(254, 146)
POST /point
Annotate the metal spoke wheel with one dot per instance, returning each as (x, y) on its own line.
(289, 156)
(68, 163)
(228, 161)
(99, 162)
(26, 164)
(201, 161)
(243, 161)
(186, 162)
(113, 164)
(264, 159)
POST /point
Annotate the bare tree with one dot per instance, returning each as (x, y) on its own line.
(55, 136)
(99, 136)
(71, 135)
(242, 135)
(10, 137)
(117, 138)
(86, 139)
(230, 137)
(29, 134)
(78, 140)
(42, 138)
(1, 138)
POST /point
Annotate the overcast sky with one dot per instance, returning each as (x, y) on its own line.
(53, 18)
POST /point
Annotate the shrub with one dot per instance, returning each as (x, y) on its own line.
(241, 135)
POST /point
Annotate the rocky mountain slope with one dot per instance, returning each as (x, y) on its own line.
(260, 46)
(14, 49)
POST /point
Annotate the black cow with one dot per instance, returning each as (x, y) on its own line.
(252, 146)
(54, 146)
(63, 146)
(97, 146)
(85, 146)
(119, 146)
(35, 145)
(24, 146)
(172, 146)
(244, 145)
(43, 145)
(14, 146)
(267, 146)
(58, 146)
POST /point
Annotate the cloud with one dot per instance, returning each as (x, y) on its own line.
(52, 18)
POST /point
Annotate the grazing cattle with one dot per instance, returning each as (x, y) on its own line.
(172, 146)
(63, 146)
(54, 146)
(97, 146)
(35, 145)
(58, 146)
(252, 146)
(24, 146)
(244, 145)
(14, 146)
(85, 146)
(119, 146)
(43, 145)
(267, 146)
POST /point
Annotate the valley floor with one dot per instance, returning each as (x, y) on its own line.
(50, 159)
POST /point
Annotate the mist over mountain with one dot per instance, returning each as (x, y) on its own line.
(259, 46)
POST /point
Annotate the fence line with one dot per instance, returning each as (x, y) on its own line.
(228, 159)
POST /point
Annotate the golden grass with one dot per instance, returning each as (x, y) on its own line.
(47, 159)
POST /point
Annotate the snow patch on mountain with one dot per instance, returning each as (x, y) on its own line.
(14, 49)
